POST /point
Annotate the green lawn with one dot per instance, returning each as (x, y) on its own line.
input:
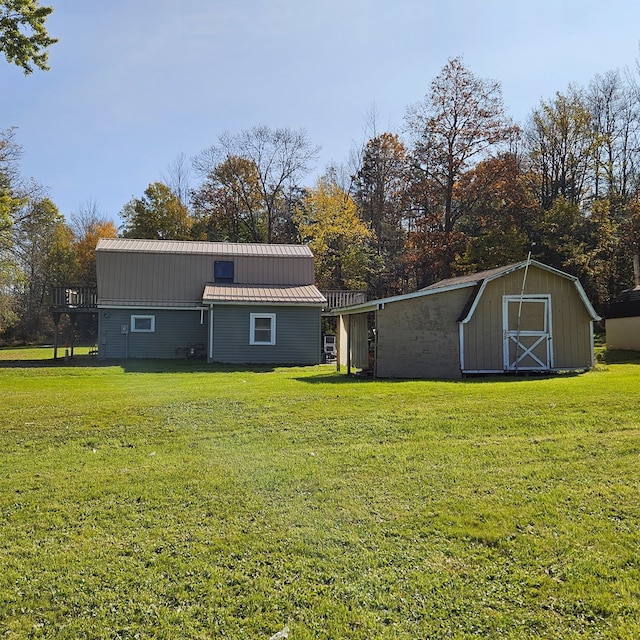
(178, 500)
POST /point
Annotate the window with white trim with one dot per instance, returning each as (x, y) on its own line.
(143, 324)
(262, 328)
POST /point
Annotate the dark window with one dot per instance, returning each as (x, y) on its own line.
(223, 271)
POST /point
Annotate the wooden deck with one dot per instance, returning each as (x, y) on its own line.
(74, 300)
(342, 298)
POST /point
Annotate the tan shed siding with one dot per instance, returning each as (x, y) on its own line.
(623, 333)
(571, 324)
(418, 337)
(483, 337)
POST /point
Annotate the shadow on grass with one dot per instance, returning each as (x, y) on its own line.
(618, 356)
(131, 366)
(42, 363)
(187, 366)
(343, 378)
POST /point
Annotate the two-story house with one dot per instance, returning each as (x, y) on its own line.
(228, 302)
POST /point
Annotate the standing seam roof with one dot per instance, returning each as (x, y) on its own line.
(267, 294)
(203, 248)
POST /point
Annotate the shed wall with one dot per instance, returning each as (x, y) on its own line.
(297, 335)
(623, 333)
(570, 322)
(174, 329)
(418, 337)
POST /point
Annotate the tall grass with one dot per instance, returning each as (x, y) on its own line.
(177, 500)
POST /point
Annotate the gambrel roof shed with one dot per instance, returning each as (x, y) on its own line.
(521, 317)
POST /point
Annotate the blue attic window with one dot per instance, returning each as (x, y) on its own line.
(223, 271)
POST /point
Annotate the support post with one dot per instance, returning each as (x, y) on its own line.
(349, 345)
(73, 319)
(56, 322)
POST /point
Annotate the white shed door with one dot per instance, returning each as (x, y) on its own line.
(527, 333)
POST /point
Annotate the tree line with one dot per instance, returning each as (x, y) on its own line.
(461, 188)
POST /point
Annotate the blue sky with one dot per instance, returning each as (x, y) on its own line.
(135, 83)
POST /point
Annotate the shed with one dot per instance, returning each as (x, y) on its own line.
(228, 302)
(622, 323)
(521, 317)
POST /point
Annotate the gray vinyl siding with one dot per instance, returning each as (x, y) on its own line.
(297, 335)
(174, 330)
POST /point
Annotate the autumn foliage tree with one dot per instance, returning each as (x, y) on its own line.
(328, 221)
(501, 217)
(459, 123)
(87, 226)
(228, 206)
(258, 170)
(157, 215)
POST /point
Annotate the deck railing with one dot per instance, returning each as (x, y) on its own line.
(74, 298)
(341, 298)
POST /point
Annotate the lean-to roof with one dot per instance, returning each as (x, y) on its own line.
(262, 294)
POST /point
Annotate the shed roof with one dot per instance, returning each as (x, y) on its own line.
(204, 248)
(262, 294)
(625, 305)
(478, 280)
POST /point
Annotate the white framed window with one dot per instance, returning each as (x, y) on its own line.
(262, 328)
(143, 324)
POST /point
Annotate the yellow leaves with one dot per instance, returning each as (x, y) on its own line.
(327, 214)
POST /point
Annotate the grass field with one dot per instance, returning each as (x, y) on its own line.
(179, 500)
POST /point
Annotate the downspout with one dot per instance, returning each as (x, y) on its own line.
(210, 350)
(375, 342)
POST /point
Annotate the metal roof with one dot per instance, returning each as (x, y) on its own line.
(478, 280)
(265, 294)
(475, 278)
(625, 305)
(206, 248)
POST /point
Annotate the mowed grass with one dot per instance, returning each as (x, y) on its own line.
(178, 500)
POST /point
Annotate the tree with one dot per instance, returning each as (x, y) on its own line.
(561, 142)
(34, 238)
(178, 178)
(23, 36)
(10, 198)
(279, 157)
(613, 104)
(228, 206)
(328, 221)
(501, 216)
(460, 121)
(379, 189)
(158, 215)
(87, 226)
